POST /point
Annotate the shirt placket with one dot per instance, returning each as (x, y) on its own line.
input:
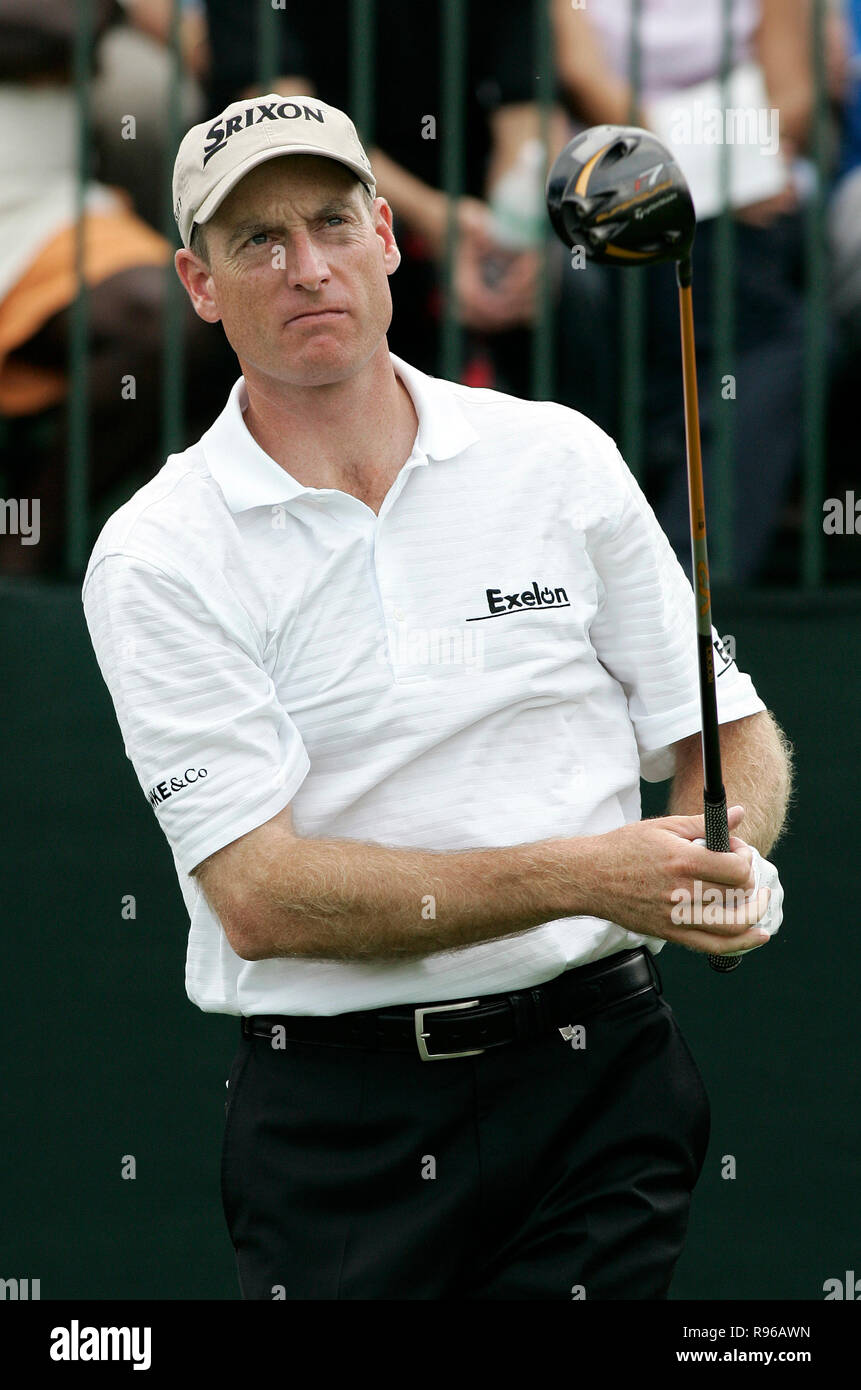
(406, 641)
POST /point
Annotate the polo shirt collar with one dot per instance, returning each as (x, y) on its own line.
(444, 429)
(248, 477)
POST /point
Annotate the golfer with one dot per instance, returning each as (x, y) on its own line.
(389, 656)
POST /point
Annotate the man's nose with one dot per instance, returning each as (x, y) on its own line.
(305, 264)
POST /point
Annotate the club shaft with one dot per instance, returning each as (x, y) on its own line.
(714, 795)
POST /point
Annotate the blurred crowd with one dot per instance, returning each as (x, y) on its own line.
(501, 221)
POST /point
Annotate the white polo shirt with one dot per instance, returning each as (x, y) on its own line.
(496, 658)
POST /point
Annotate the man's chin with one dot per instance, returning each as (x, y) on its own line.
(323, 373)
(325, 362)
(319, 373)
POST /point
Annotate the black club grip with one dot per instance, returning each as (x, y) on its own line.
(717, 838)
(717, 826)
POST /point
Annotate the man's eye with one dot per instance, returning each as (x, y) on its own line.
(257, 239)
(333, 219)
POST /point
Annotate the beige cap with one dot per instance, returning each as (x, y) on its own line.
(214, 156)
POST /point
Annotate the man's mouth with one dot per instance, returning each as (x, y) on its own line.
(317, 315)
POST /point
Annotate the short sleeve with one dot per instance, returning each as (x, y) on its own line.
(214, 751)
(644, 633)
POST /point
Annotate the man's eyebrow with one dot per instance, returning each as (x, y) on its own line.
(334, 207)
(242, 230)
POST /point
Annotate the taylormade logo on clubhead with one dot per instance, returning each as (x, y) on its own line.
(640, 213)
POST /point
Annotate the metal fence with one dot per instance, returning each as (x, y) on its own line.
(365, 93)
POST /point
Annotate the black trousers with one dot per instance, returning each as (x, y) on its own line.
(537, 1170)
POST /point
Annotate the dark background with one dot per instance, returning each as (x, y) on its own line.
(104, 1055)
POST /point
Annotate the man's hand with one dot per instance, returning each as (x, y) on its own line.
(486, 308)
(765, 876)
(641, 873)
(763, 213)
(518, 286)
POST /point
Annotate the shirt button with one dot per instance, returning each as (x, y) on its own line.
(398, 614)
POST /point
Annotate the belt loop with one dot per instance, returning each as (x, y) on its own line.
(523, 1007)
(653, 967)
(542, 1020)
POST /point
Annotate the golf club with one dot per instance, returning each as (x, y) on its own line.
(617, 192)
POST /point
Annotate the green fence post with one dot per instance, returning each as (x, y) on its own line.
(723, 309)
(173, 354)
(453, 145)
(543, 375)
(816, 324)
(268, 51)
(363, 15)
(77, 479)
(632, 290)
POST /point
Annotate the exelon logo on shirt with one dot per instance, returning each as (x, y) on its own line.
(499, 602)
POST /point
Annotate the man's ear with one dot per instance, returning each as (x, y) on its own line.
(382, 217)
(197, 279)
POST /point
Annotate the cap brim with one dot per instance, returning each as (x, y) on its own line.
(214, 199)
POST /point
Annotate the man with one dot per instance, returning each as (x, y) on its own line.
(389, 656)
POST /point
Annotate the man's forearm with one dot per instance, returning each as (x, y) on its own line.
(596, 93)
(422, 208)
(351, 900)
(756, 760)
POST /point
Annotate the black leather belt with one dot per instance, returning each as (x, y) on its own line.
(464, 1028)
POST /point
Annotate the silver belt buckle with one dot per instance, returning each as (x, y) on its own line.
(420, 1015)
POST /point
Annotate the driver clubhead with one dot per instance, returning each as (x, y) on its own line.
(618, 192)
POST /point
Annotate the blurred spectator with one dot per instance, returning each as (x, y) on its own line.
(125, 269)
(681, 46)
(844, 216)
(843, 55)
(495, 275)
(135, 75)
